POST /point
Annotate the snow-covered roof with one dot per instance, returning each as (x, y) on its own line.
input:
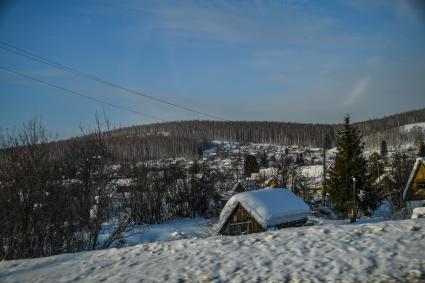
(268, 172)
(249, 184)
(312, 171)
(419, 161)
(382, 177)
(238, 183)
(270, 207)
(314, 174)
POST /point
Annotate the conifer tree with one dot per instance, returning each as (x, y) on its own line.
(349, 163)
(264, 161)
(384, 149)
(401, 167)
(250, 165)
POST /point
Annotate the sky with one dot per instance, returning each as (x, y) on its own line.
(298, 61)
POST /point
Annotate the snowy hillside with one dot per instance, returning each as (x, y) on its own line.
(391, 251)
(409, 127)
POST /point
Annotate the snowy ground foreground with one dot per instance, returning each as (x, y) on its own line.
(392, 251)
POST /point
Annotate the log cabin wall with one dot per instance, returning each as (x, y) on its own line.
(241, 222)
(417, 189)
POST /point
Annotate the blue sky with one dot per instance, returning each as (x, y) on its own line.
(304, 61)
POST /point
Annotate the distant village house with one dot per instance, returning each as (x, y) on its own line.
(414, 193)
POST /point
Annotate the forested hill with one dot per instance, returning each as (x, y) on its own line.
(268, 132)
(390, 122)
(241, 131)
(189, 138)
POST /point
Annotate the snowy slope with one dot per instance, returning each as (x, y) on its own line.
(184, 228)
(409, 127)
(391, 251)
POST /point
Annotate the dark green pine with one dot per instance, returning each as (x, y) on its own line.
(349, 163)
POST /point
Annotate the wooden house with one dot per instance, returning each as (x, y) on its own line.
(314, 179)
(385, 184)
(271, 183)
(414, 192)
(384, 180)
(260, 210)
(239, 187)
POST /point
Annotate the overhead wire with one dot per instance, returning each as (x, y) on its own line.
(80, 94)
(21, 52)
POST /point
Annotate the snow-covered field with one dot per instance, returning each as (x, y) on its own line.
(184, 228)
(409, 127)
(392, 251)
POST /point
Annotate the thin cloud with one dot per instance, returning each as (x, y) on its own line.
(357, 91)
(238, 22)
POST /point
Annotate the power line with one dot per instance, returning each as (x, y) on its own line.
(35, 57)
(80, 94)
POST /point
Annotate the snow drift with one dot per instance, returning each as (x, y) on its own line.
(392, 251)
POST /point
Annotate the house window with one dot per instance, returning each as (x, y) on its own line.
(420, 185)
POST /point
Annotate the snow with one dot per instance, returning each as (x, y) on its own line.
(270, 207)
(123, 182)
(418, 212)
(176, 229)
(187, 228)
(409, 127)
(384, 211)
(312, 171)
(268, 172)
(332, 152)
(392, 251)
(314, 174)
(382, 177)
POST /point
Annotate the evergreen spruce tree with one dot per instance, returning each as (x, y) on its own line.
(299, 160)
(250, 165)
(401, 168)
(264, 161)
(349, 163)
(384, 149)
